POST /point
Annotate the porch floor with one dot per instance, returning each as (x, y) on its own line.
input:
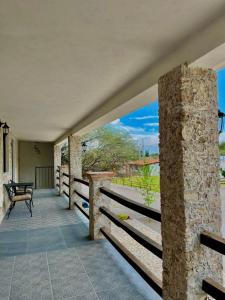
(49, 256)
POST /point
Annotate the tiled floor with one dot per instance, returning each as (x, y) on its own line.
(49, 257)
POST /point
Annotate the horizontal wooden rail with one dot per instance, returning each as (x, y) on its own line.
(66, 194)
(82, 196)
(82, 181)
(140, 208)
(147, 275)
(82, 210)
(213, 241)
(66, 175)
(214, 289)
(134, 233)
(78, 206)
(66, 184)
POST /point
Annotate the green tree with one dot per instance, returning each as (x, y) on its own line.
(146, 180)
(108, 149)
(222, 148)
(64, 154)
(222, 172)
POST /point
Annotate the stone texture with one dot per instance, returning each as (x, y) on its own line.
(62, 178)
(57, 161)
(5, 177)
(97, 199)
(1, 177)
(189, 169)
(75, 167)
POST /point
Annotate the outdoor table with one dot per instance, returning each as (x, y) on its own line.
(21, 185)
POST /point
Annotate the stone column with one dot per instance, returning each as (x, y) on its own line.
(189, 180)
(61, 170)
(2, 210)
(75, 167)
(97, 199)
(57, 161)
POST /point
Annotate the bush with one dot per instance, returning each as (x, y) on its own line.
(223, 172)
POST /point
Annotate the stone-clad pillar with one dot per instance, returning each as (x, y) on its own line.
(2, 210)
(189, 171)
(57, 162)
(75, 167)
(61, 170)
(97, 199)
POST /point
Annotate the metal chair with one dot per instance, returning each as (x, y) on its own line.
(22, 191)
(13, 197)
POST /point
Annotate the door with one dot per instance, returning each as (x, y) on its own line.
(44, 177)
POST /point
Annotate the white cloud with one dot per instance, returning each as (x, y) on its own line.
(151, 124)
(147, 139)
(131, 129)
(116, 122)
(144, 118)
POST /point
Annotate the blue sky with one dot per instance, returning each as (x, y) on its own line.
(143, 124)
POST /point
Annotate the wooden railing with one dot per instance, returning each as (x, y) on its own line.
(140, 208)
(57, 178)
(138, 236)
(142, 239)
(216, 243)
(212, 241)
(78, 193)
(82, 181)
(64, 183)
(82, 196)
(145, 273)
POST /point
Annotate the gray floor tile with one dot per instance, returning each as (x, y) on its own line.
(13, 248)
(50, 255)
(91, 296)
(4, 290)
(11, 236)
(30, 293)
(62, 256)
(71, 286)
(102, 281)
(127, 293)
(58, 271)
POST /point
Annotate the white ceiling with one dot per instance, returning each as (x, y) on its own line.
(62, 63)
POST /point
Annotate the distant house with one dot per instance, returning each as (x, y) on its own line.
(132, 166)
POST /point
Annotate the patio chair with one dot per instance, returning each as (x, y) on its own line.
(22, 191)
(13, 197)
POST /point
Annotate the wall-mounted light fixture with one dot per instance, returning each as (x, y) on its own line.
(5, 128)
(221, 116)
(84, 146)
